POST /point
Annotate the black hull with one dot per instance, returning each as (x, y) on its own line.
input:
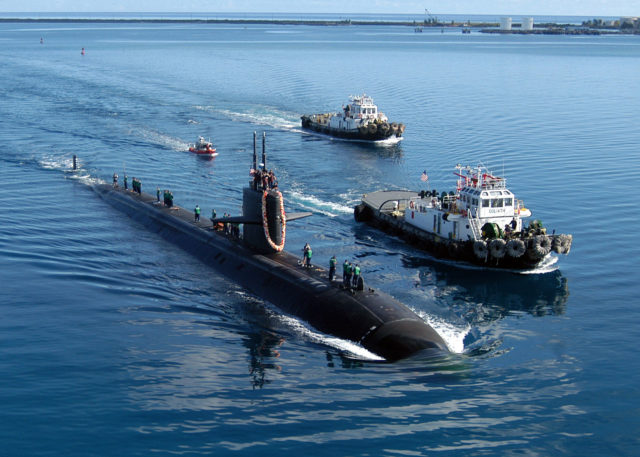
(374, 319)
(308, 124)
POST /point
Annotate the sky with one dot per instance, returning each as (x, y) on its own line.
(595, 8)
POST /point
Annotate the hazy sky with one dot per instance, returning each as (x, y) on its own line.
(530, 7)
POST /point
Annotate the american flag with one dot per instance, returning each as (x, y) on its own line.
(424, 176)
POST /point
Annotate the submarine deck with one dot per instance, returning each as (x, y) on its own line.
(315, 274)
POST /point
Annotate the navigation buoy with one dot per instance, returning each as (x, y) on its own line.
(82, 52)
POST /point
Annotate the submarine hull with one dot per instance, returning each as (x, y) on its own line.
(374, 319)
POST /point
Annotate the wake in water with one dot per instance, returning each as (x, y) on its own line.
(451, 334)
(259, 115)
(316, 205)
(160, 139)
(64, 163)
(349, 347)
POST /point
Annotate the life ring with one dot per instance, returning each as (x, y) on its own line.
(480, 249)
(411, 204)
(497, 248)
(265, 221)
(516, 248)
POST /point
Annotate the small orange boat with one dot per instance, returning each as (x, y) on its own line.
(203, 147)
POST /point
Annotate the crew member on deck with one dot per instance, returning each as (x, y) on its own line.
(306, 255)
(196, 213)
(115, 180)
(356, 276)
(347, 284)
(332, 267)
(345, 268)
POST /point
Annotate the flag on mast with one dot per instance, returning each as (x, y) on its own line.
(424, 176)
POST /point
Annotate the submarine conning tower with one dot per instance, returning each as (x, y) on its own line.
(263, 202)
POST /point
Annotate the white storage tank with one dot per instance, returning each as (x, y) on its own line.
(505, 23)
(527, 23)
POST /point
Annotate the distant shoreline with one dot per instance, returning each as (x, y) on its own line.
(318, 22)
(242, 21)
(485, 27)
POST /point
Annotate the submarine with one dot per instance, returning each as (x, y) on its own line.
(256, 260)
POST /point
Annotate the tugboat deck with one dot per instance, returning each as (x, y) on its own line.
(382, 200)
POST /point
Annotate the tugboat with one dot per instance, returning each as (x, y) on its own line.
(203, 147)
(359, 120)
(480, 223)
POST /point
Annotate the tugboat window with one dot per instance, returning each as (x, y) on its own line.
(485, 203)
(508, 202)
(497, 203)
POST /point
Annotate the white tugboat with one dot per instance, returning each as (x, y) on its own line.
(481, 222)
(359, 120)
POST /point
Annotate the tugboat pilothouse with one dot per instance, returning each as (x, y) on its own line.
(481, 222)
(359, 120)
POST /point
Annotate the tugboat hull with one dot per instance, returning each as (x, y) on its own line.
(524, 252)
(380, 134)
(360, 120)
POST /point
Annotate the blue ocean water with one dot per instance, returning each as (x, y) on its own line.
(116, 342)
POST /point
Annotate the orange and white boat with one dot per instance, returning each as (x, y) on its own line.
(203, 147)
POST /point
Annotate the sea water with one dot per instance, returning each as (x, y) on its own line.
(116, 342)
